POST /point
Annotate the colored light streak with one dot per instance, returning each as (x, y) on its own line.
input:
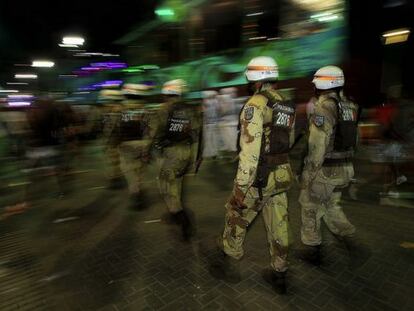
(19, 104)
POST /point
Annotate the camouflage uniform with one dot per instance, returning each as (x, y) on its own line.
(136, 130)
(246, 200)
(111, 140)
(322, 180)
(179, 140)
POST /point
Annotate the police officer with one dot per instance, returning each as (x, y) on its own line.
(263, 177)
(136, 132)
(111, 101)
(328, 167)
(178, 141)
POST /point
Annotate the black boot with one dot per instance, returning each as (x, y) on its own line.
(182, 219)
(358, 253)
(117, 183)
(224, 267)
(275, 279)
(168, 218)
(138, 201)
(310, 254)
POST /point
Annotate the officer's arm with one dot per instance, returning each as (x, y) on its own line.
(152, 124)
(251, 129)
(111, 127)
(162, 116)
(292, 135)
(321, 127)
(196, 138)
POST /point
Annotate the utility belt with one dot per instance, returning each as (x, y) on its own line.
(338, 157)
(340, 154)
(334, 162)
(180, 140)
(267, 164)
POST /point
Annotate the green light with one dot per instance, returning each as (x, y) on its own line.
(164, 12)
(141, 68)
(131, 70)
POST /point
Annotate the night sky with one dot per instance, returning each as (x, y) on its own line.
(34, 28)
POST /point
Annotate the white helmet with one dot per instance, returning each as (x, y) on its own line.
(139, 89)
(110, 95)
(328, 77)
(174, 87)
(209, 94)
(262, 68)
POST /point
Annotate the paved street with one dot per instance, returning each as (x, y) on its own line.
(90, 251)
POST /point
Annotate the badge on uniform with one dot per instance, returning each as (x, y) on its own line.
(248, 113)
(318, 120)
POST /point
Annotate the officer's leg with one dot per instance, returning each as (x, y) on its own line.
(171, 181)
(236, 222)
(275, 216)
(170, 189)
(339, 225)
(312, 205)
(128, 168)
(224, 264)
(311, 219)
(136, 166)
(113, 167)
(335, 218)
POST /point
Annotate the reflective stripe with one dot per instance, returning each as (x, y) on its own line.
(329, 77)
(262, 68)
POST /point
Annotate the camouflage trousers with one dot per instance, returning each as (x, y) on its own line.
(176, 161)
(322, 201)
(132, 166)
(274, 209)
(112, 159)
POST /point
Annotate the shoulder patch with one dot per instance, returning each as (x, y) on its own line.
(318, 120)
(248, 113)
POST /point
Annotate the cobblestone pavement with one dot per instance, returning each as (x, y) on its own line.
(90, 251)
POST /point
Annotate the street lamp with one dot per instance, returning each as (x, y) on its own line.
(73, 41)
(25, 76)
(43, 64)
(9, 91)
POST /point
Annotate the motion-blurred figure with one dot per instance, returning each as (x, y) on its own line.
(48, 127)
(398, 139)
(263, 177)
(210, 131)
(328, 167)
(178, 140)
(228, 119)
(136, 133)
(112, 109)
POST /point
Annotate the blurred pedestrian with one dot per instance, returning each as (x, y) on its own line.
(45, 142)
(136, 134)
(227, 124)
(178, 138)
(112, 109)
(210, 131)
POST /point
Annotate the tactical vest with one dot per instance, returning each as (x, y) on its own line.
(346, 131)
(132, 125)
(179, 125)
(283, 115)
(275, 146)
